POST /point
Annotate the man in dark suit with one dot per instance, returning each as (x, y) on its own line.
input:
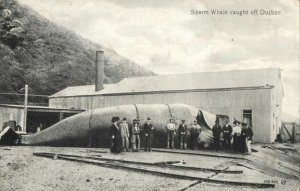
(135, 136)
(148, 129)
(182, 130)
(217, 129)
(227, 131)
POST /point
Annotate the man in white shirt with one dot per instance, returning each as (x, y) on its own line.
(124, 134)
(171, 133)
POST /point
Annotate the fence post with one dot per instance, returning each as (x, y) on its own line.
(294, 132)
(25, 109)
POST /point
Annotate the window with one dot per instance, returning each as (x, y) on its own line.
(247, 117)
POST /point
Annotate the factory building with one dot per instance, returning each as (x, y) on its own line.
(253, 96)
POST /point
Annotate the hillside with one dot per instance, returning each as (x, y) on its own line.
(48, 57)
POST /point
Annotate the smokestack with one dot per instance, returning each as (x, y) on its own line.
(99, 70)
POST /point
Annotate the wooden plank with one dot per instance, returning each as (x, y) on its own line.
(282, 132)
(170, 175)
(164, 164)
(201, 154)
(287, 131)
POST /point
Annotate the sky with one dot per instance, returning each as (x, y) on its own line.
(165, 37)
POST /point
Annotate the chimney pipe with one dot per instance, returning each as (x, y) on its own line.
(99, 70)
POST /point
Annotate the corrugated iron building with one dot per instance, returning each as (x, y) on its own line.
(254, 96)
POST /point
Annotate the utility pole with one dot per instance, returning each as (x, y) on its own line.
(25, 108)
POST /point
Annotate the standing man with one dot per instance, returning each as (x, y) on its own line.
(124, 134)
(148, 128)
(243, 145)
(171, 133)
(217, 129)
(116, 146)
(227, 131)
(182, 129)
(236, 135)
(136, 136)
(249, 136)
(195, 132)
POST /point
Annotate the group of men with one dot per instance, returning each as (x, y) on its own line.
(121, 134)
(186, 134)
(238, 138)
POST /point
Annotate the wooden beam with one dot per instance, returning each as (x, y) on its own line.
(201, 154)
(25, 108)
(287, 131)
(165, 164)
(165, 174)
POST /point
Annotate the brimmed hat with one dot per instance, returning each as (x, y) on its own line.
(183, 120)
(135, 121)
(114, 119)
(244, 124)
(148, 118)
(236, 121)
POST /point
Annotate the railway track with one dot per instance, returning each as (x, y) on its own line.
(140, 168)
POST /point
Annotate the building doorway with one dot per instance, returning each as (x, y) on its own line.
(247, 117)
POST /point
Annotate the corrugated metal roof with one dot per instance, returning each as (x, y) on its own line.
(33, 107)
(187, 81)
(79, 90)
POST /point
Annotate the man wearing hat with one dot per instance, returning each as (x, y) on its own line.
(243, 137)
(135, 135)
(236, 135)
(195, 131)
(182, 130)
(227, 131)
(217, 129)
(124, 134)
(148, 128)
(171, 133)
(116, 146)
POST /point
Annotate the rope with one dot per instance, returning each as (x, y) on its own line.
(170, 111)
(137, 112)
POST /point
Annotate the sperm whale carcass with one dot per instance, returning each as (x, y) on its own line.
(92, 127)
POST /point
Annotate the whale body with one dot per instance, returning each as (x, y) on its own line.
(92, 127)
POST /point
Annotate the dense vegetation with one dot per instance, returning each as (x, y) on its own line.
(48, 57)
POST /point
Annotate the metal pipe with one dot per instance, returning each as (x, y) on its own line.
(99, 70)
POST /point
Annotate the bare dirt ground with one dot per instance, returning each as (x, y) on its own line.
(20, 170)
